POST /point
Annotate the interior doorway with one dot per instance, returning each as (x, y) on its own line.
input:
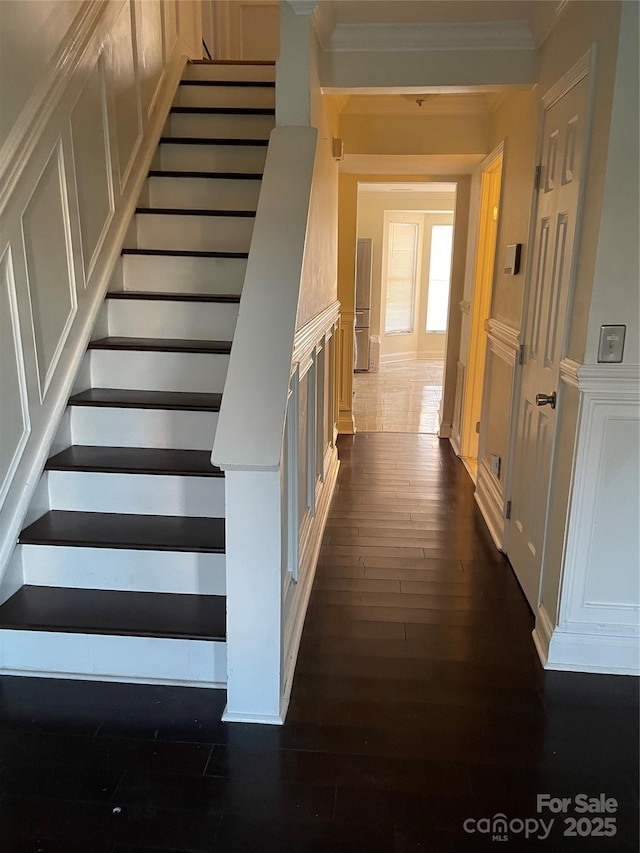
(403, 280)
(491, 183)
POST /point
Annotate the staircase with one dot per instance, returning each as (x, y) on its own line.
(125, 572)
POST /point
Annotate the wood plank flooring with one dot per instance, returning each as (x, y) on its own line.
(418, 703)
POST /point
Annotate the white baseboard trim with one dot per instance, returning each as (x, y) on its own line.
(346, 424)
(454, 441)
(392, 357)
(578, 651)
(445, 430)
(489, 499)
(264, 719)
(294, 631)
(119, 679)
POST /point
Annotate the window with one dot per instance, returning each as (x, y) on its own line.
(439, 278)
(401, 278)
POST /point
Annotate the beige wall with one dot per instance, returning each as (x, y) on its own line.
(241, 29)
(318, 288)
(429, 134)
(515, 122)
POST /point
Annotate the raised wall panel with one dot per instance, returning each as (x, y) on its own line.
(123, 89)
(170, 13)
(616, 521)
(92, 162)
(48, 256)
(14, 411)
(150, 50)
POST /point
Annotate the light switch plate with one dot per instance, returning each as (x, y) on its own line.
(495, 464)
(611, 344)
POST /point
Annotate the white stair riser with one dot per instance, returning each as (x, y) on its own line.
(159, 371)
(183, 275)
(106, 426)
(125, 570)
(212, 158)
(203, 193)
(141, 494)
(214, 321)
(221, 126)
(205, 71)
(225, 96)
(194, 233)
(100, 657)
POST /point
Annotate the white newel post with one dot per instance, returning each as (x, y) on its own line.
(254, 599)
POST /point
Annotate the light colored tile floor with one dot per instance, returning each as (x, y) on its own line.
(401, 397)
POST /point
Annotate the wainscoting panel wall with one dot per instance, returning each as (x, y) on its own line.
(70, 172)
(499, 387)
(595, 627)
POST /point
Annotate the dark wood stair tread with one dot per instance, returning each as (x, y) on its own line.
(225, 111)
(232, 62)
(200, 140)
(124, 530)
(243, 84)
(127, 398)
(194, 211)
(173, 296)
(161, 345)
(134, 460)
(222, 176)
(133, 614)
(184, 253)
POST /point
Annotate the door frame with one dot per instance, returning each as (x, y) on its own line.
(482, 287)
(584, 67)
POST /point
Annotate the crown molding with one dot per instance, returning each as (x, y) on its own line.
(494, 35)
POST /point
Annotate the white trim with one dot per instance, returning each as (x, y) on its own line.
(594, 651)
(569, 371)
(265, 331)
(490, 499)
(6, 266)
(610, 381)
(309, 561)
(306, 338)
(483, 35)
(465, 306)
(264, 719)
(573, 76)
(507, 337)
(119, 679)
(575, 610)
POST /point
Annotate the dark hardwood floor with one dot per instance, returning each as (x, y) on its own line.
(419, 703)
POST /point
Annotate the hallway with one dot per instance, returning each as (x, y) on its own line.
(403, 396)
(418, 703)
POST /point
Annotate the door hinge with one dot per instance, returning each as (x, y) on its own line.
(507, 510)
(538, 177)
(521, 354)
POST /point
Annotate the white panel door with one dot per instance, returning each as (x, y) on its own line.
(553, 250)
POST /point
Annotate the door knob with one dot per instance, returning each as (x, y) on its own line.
(546, 400)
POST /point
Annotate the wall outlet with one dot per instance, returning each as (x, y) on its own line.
(495, 464)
